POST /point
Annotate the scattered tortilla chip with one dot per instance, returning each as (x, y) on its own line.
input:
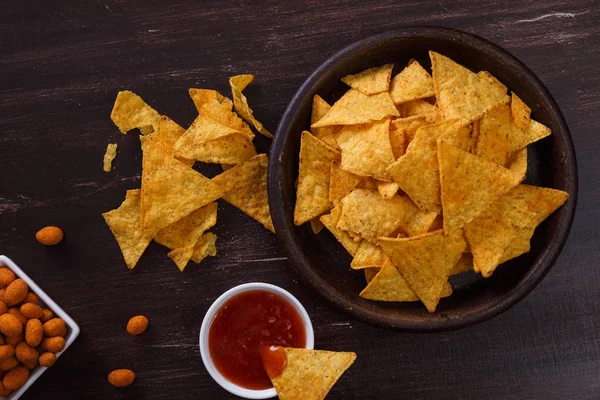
(366, 213)
(409, 125)
(327, 133)
(426, 261)
(366, 149)
(413, 83)
(397, 141)
(169, 132)
(316, 225)
(368, 255)
(341, 182)
(469, 185)
(417, 172)
(238, 83)
(124, 223)
(331, 221)
(223, 114)
(494, 129)
(518, 163)
(109, 156)
(370, 273)
(462, 93)
(420, 108)
(388, 285)
(186, 231)
(312, 196)
(521, 113)
(310, 374)
(130, 112)
(387, 190)
(464, 264)
(357, 108)
(201, 97)
(493, 80)
(372, 80)
(246, 188)
(181, 256)
(520, 138)
(170, 189)
(205, 247)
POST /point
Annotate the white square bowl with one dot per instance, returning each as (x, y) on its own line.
(47, 302)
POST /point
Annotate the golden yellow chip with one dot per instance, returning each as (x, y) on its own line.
(464, 264)
(331, 221)
(521, 113)
(520, 138)
(327, 133)
(124, 223)
(201, 97)
(312, 196)
(493, 80)
(387, 190)
(341, 182)
(357, 108)
(372, 80)
(170, 189)
(519, 244)
(223, 114)
(420, 108)
(368, 255)
(417, 172)
(238, 83)
(366, 213)
(246, 188)
(316, 225)
(366, 149)
(130, 112)
(181, 256)
(370, 273)
(413, 83)
(518, 163)
(426, 261)
(469, 185)
(169, 132)
(205, 247)
(462, 93)
(109, 156)
(438, 223)
(388, 285)
(186, 231)
(310, 374)
(409, 126)
(494, 129)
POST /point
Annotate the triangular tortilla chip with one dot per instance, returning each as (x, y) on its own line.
(366, 149)
(181, 256)
(413, 83)
(368, 255)
(201, 97)
(426, 261)
(312, 196)
(420, 108)
(388, 285)
(238, 83)
(462, 93)
(170, 189)
(246, 188)
(370, 273)
(494, 130)
(205, 247)
(223, 114)
(520, 138)
(310, 374)
(521, 112)
(366, 213)
(109, 156)
(130, 112)
(186, 231)
(327, 133)
(355, 107)
(519, 244)
(387, 190)
(169, 132)
(316, 225)
(409, 126)
(518, 163)
(417, 172)
(469, 185)
(330, 221)
(124, 223)
(372, 80)
(341, 182)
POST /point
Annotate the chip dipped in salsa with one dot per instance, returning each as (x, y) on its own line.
(247, 325)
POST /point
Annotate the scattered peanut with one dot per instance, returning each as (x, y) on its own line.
(137, 325)
(121, 377)
(49, 235)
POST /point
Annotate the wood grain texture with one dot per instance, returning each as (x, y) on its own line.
(61, 65)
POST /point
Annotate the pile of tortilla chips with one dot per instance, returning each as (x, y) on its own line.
(176, 205)
(419, 177)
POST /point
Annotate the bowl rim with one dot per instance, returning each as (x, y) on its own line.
(207, 321)
(284, 227)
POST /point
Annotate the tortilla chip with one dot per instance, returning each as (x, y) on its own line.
(310, 374)
(109, 156)
(169, 132)
(388, 285)
(417, 172)
(426, 261)
(462, 93)
(493, 80)
(494, 129)
(327, 133)
(223, 114)
(387, 190)
(409, 125)
(368, 255)
(464, 264)
(246, 188)
(211, 142)
(124, 223)
(186, 231)
(316, 225)
(312, 196)
(520, 138)
(341, 182)
(170, 189)
(366, 213)
(201, 97)
(370, 273)
(130, 112)
(518, 163)
(238, 83)
(357, 108)
(372, 80)
(397, 141)
(413, 83)
(519, 244)
(521, 113)
(181, 256)
(469, 185)
(420, 108)
(205, 247)
(366, 149)
(331, 221)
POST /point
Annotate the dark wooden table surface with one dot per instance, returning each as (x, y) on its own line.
(61, 65)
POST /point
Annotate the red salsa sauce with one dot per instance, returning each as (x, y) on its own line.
(247, 325)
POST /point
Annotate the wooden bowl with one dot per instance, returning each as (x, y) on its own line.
(324, 264)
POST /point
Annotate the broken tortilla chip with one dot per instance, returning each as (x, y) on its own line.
(205, 247)
(331, 221)
(186, 231)
(131, 111)
(387, 190)
(201, 97)
(168, 133)
(109, 156)
(181, 256)
(372, 80)
(521, 113)
(238, 83)
(413, 83)
(223, 114)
